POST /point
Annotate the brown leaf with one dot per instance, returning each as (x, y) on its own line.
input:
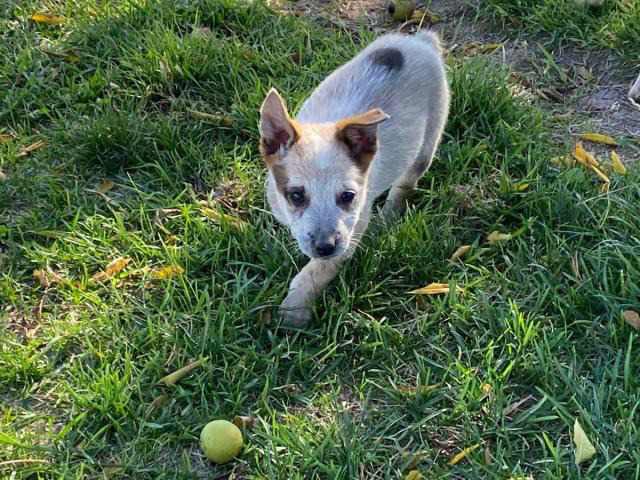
(460, 251)
(218, 216)
(3, 177)
(264, 317)
(34, 146)
(512, 407)
(244, 421)
(632, 318)
(41, 275)
(112, 270)
(6, 138)
(40, 17)
(174, 377)
(488, 458)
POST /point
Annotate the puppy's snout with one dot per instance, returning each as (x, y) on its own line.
(324, 246)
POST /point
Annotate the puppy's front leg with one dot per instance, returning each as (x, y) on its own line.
(306, 286)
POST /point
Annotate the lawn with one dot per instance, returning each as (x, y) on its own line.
(148, 112)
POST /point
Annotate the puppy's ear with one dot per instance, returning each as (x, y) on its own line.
(277, 130)
(360, 134)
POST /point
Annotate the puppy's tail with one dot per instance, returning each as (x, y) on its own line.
(431, 38)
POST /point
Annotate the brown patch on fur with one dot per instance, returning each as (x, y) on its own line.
(281, 177)
(360, 135)
(269, 148)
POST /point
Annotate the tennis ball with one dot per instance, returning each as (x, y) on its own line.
(220, 441)
(400, 10)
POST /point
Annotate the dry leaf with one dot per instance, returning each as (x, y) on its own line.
(173, 378)
(604, 188)
(111, 471)
(632, 318)
(512, 407)
(563, 160)
(106, 186)
(459, 252)
(112, 270)
(474, 48)
(34, 146)
(6, 138)
(413, 475)
(3, 177)
(264, 317)
(598, 138)
(218, 216)
(423, 389)
(425, 16)
(488, 458)
(163, 273)
(42, 278)
(49, 18)
(618, 166)
(486, 388)
(584, 448)
(496, 236)
(520, 187)
(219, 119)
(157, 402)
(585, 158)
(415, 458)
(463, 454)
(600, 174)
(435, 289)
(243, 421)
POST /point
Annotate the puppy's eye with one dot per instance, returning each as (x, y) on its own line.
(347, 197)
(297, 198)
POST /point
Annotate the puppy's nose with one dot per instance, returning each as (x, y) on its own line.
(325, 249)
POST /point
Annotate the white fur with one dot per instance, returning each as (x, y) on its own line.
(416, 99)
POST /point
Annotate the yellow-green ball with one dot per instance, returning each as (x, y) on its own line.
(220, 441)
(400, 10)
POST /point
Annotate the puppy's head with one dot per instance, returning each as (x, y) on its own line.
(320, 171)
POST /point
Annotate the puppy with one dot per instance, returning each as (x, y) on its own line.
(372, 125)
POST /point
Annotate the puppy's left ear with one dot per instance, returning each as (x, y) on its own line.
(360, 134)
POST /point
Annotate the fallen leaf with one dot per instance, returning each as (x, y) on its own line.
(106, 186)
(173, 378)
(563, 161)
(475, 48)
(583, 157)
(585, 74)
(218, 216)
(604, 187)
(413, 475)
(3, 177)
(264, 317)
(551, 94)
(112, 270)
(486, 388)
(598, 138)
(520, 186)
(496, 236)
(422, 389)
(488, 458)
(244, 421)
(111, 471)
(157, 402)
(49, 18)
(415, 458)
(425, 16)
(600, 174)
(34, 146)
(584, 448)
(463, 454)
(6, 138)
(632, 318)
(215, 118)
(460, 251)
(164, 273)
(435, 289)
(512, 407)
(203, 32)
(618, 166)
(166, 212)
(42, 277)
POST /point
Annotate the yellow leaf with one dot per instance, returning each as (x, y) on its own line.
(604, 188)
(585, 158)
(425, 17)
(564, 160)
(460, 252)
(435, 289)
(106, 186)
(584, 448)
(496, 236)
(40, 17)
(31, 148)
(176, 376)
(423, 389)
(6, 138)
(463, 454)
(166, 272)
(632, 318)
(520, 187)
(112, 270)
(599, 172)
(218, 216)
(486, 388)
(3, 176)
(598, 138)
(618, 166)
(413, 475)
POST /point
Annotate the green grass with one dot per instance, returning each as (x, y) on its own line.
(613, 26)
(540, 316)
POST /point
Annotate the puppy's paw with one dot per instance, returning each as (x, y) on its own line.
(294, 313)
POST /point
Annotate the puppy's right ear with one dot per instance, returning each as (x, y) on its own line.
(277, 130)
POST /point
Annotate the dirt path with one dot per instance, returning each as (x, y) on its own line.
(586, 92)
